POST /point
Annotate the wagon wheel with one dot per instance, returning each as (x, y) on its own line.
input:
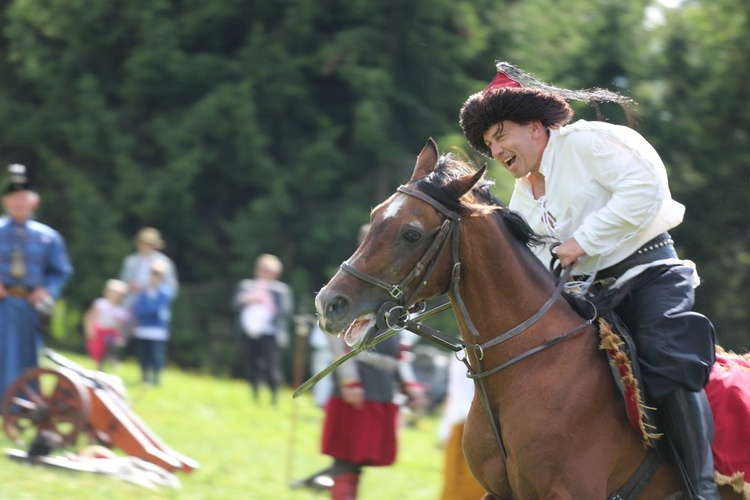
(42, 401)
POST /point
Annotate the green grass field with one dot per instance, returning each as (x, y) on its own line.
(246, 450)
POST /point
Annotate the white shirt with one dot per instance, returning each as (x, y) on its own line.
(151, 333)
(109, 315)
(605, 186)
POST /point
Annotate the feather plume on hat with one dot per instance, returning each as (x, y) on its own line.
(509, 96)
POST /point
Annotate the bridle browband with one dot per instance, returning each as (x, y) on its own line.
(423, 269)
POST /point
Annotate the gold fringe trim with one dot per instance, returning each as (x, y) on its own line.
(731, 354)
(736, 481)
(611, 342)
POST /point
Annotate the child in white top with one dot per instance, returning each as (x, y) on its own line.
(104, 322)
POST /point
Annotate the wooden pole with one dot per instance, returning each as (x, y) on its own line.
(302, 326)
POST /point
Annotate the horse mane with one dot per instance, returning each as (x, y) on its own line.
(442, 186)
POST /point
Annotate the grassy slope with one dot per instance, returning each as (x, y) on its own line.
(243, 448)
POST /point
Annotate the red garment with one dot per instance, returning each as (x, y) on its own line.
(97, 346)
(365, 437)
(728, 392)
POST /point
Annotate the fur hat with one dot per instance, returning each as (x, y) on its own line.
(517, 96)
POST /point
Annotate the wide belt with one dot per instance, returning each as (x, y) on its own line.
(18, 291)
(660, 248)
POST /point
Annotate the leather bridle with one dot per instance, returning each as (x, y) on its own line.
(399, 307)
(394, 314)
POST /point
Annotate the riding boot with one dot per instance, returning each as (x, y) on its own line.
(688, 423)
(345, 486)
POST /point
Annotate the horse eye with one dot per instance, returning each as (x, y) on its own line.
(412, 236)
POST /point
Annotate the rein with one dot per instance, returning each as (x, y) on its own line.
(423, 271)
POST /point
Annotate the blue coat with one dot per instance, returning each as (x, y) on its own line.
(47, 265)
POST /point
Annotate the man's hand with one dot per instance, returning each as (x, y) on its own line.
(354, 394)
(569, 252)
(38, 295)
(3, 291)
(417, 398)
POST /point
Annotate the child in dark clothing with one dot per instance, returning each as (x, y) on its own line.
(152, 313)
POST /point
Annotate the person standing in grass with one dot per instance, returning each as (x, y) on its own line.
(361, 417)
(136, 267)
(104, 323)
(265, 305)
(152, 315)
(34, 268)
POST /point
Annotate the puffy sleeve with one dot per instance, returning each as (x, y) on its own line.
(630, 169)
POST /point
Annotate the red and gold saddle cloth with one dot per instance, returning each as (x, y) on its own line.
(728, 392)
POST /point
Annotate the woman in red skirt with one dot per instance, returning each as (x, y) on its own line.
(360, 416)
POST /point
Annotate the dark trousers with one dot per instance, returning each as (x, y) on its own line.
(675, 346)
(263, 363)
(151, 357)
(676, 349)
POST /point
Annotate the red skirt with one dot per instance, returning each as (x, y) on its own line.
(364, 437)
(97, 346)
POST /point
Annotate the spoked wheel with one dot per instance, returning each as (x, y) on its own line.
(45, 402)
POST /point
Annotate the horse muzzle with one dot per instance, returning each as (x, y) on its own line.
(338, 314)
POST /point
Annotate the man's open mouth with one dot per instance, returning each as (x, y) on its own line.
(509, 161)
(358, 329)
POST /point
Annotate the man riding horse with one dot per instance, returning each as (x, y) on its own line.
(601, 190)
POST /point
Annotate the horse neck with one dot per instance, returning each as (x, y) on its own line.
(503, 284)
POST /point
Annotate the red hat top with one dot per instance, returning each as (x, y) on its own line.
(502, 80)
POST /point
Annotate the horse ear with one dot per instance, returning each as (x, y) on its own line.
(467, 182)
(426, 160)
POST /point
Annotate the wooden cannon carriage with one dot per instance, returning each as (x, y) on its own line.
(47, 408)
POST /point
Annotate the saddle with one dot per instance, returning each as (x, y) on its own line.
(728, 392)
(616, 342)
(619, 348)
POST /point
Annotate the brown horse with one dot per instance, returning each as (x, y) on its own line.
(559, 429)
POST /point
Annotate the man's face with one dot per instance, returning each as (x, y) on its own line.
(517, 146)
(20, 205)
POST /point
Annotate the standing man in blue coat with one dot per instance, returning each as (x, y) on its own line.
(34, 268)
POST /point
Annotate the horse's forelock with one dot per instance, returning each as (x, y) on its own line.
(440, 186)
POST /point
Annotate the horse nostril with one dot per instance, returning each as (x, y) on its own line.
(337, 305)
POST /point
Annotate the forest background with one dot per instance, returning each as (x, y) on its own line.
(244, 127)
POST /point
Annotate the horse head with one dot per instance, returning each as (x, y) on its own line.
(401, 257)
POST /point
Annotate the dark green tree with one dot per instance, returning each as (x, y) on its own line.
(694, 97)
(234, 127)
